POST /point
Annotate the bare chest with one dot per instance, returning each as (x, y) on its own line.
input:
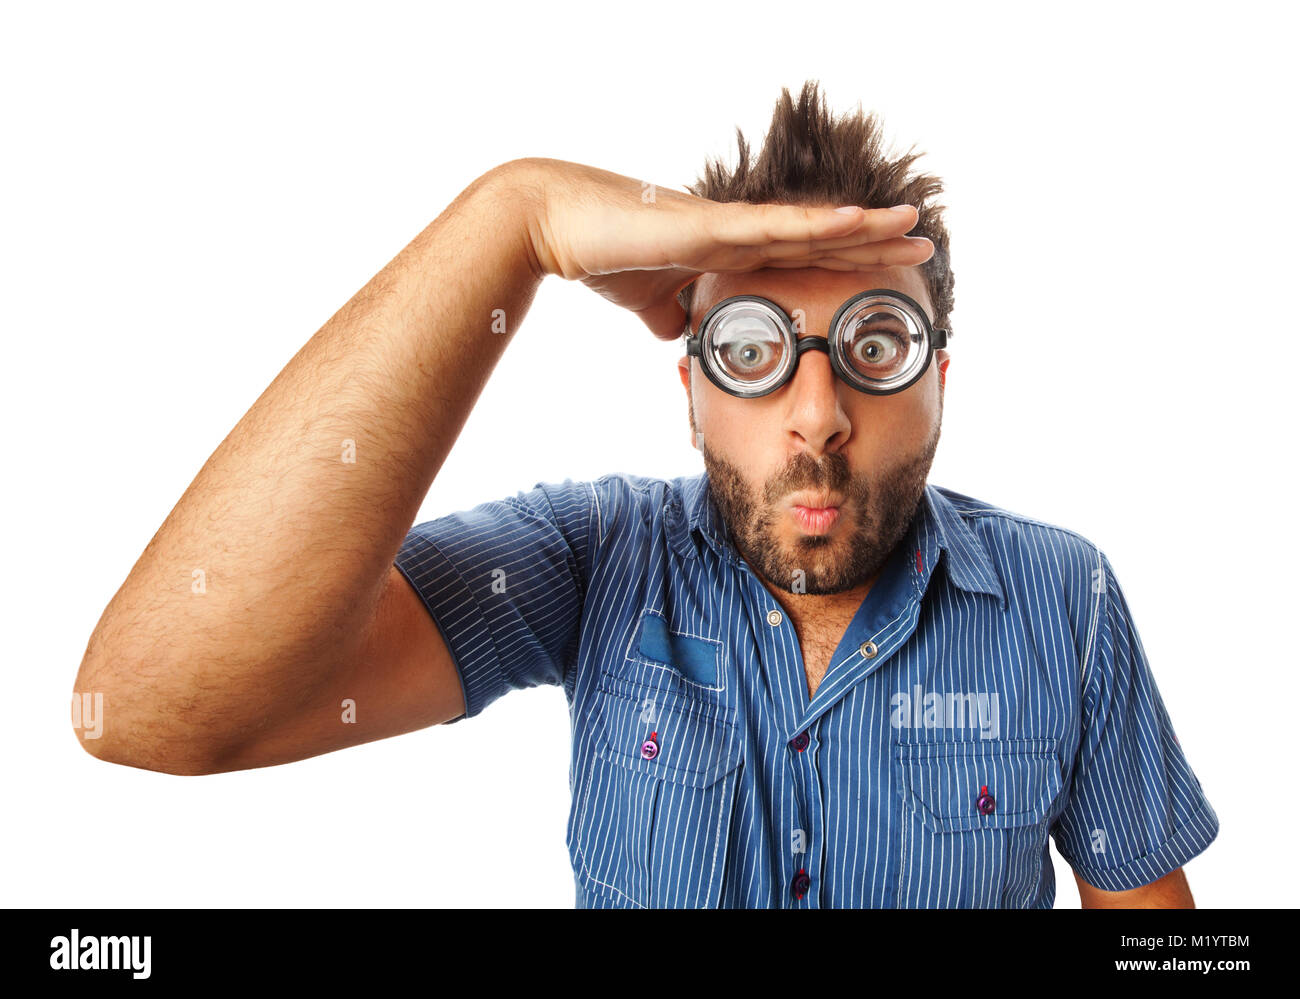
(820, 628)
(818, 646)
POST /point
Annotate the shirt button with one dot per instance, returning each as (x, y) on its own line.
(985, 802)
(774, 617)
(799, 886)
(868, 649)
(650, 748)
(800, 742)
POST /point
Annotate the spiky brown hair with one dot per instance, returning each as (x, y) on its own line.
(810, 157)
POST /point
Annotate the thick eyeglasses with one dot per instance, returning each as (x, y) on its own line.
(881, 342)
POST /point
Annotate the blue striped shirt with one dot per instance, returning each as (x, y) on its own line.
(990, 691)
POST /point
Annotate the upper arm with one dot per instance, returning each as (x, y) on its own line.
(401, 678)
(477, 603)
(1168, 892)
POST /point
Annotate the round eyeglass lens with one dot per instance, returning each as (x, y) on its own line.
(882, 344)
(747, 345)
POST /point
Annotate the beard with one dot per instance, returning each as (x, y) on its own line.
(882, 503)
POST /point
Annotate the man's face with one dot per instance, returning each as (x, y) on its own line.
(867, 455)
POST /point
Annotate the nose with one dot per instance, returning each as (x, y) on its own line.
(816, 421)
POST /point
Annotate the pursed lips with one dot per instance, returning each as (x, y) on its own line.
(816, 513)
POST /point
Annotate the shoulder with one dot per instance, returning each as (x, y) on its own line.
(623, 498)
(1054, 574)
(1003, 530)
(1034, 559)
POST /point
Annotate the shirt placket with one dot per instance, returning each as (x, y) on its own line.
(802, 821)
(806, 846)
(885, 621)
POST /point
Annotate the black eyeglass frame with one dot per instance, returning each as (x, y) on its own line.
(936, 339)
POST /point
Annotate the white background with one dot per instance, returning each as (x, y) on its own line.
(190, 193)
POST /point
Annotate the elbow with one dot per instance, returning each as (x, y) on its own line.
(143, 758)
(113, 736)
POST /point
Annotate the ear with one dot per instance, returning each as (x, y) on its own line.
(684, 373)
(942, 358)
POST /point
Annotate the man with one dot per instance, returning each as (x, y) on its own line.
(805, 678)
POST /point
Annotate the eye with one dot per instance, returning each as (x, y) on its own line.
(749, 358)
(747, 343)
(879, 348)
(749, 354)
(876, 349)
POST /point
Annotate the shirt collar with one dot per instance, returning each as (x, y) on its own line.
(938, 528)
(693, 516)
(967, 557)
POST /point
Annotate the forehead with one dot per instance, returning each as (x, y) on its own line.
(819, 292)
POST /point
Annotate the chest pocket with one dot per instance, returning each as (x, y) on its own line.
(649, 827)
(952, 854)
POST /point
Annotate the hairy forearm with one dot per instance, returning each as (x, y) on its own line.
(261, 579)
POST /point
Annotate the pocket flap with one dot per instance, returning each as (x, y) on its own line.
(697, 744)
(942, 781)
(694, 658)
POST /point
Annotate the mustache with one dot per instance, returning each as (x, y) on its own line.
(802, 471)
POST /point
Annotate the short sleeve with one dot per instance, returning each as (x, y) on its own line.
(505, 583)
(1136, 810)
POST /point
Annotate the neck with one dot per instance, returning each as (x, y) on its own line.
(803, 607)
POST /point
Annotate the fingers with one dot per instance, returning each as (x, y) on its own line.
(896, 253)
(853, 239)
(738, 224)
(902, 251)
(906, 251)
(870, 238)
